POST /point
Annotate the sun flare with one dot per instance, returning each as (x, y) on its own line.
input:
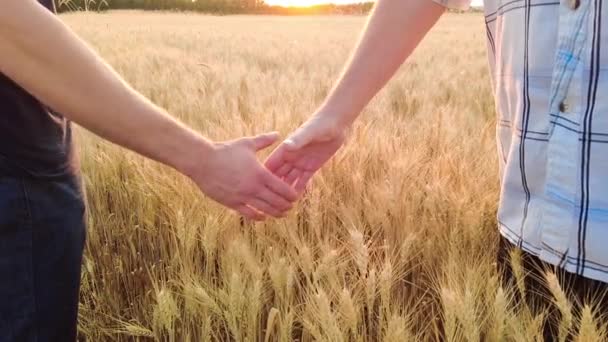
(308, 3)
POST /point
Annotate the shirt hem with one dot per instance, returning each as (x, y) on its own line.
(590, 272)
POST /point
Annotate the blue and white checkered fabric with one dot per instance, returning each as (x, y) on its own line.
(549, 65)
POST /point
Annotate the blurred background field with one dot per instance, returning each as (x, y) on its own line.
(395, 240)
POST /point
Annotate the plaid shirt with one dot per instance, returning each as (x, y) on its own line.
(549, 67)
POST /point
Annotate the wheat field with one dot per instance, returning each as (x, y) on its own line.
(395, 240)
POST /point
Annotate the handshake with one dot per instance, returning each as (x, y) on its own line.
(233, 176)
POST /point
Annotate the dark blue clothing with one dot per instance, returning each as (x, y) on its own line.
(42, 226)
(48, 4)
(42, 234)
(34, 140)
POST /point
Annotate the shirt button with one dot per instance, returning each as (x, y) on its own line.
(575, 4)
(563, 107)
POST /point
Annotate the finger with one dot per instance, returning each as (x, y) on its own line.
(303, 181)
(299, 139)
(279, 187)
(274, 200)
(249, 213)
(283, 170)
(262, 141)
(292, 176)
(263, 206)
(276, 159)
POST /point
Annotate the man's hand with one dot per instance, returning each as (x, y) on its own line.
(54, 65)
(232, 176)
(301, 155)
(404, 24)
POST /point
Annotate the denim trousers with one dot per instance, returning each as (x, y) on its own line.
(42, 236)
(538, 297)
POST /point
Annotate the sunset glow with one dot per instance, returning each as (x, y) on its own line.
(307, 3)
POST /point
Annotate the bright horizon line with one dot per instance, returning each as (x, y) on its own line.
(300, 3)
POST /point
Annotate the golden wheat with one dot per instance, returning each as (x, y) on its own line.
(394, 242)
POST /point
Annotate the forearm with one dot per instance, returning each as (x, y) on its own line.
(55, 66)
(394, 30)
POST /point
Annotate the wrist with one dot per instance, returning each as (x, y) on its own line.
(194, 156)
(339, 119)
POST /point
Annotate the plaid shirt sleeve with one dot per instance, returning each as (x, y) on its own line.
(455, 4)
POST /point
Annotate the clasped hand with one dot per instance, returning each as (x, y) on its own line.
(234, 177)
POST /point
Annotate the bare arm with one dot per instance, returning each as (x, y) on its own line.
(47, 59)
(394, 30)
(54, 65)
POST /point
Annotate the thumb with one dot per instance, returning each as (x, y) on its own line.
(299, 139)
(262, 141)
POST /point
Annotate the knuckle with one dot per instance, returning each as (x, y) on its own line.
(261, 174)
(249, 190)
(269, 210)
(290, 196)
(248, 142)
(283, 205)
